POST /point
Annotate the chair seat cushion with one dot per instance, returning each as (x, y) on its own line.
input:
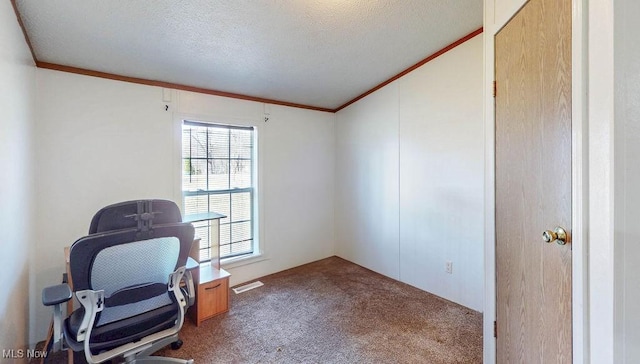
(117, 333)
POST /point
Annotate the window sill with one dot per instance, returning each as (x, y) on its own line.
(235, 262)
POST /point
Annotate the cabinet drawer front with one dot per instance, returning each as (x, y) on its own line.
(213, 298)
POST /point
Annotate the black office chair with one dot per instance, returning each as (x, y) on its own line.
(127, 281)
(130, 214)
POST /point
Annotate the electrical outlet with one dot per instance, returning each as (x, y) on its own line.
(449, 267)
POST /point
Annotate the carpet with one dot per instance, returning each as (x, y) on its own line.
(334, 311)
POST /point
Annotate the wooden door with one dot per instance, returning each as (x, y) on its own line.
(533, 184)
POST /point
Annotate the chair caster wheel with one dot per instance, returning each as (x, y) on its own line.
(176, 345)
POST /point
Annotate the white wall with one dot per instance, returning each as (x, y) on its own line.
(410, 177)
(102, 141)
(627, 180)
(442, 175)
(17, 94)
(367, 185)
(297, 167)
(504, 10)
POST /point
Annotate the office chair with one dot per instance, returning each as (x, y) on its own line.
(127, 281)
(123, 215)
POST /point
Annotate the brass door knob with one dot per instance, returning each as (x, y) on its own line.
(559, 235)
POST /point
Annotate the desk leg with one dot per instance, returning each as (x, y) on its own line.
(70, 302)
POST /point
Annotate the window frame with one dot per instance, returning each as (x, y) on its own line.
(258, 241)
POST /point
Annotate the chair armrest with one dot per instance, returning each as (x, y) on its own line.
(56, 294)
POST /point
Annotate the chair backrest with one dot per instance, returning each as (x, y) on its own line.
(126, 215)
(93, 257)
(132, 270)
(132, 262)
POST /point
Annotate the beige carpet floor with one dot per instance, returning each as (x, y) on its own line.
(334, 311)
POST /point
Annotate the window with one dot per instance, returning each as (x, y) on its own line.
(218, 176)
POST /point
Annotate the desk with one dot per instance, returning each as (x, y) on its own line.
(70, 302)
(212, 293)
(213, 220)
(211, 281)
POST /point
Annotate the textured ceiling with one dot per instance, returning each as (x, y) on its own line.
(320, 53)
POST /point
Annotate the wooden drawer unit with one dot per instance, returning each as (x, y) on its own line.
(212, 293)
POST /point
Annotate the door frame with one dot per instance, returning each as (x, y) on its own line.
(579, 180)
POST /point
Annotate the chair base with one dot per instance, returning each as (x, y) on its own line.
(145, 355)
